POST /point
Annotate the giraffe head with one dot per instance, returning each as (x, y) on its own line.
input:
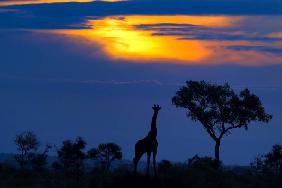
(156, 108)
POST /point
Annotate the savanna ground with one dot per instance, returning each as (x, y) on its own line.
(200, 173)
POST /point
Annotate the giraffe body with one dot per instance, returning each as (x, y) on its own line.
(149, 144)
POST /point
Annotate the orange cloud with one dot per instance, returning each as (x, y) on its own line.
(276, 35)
(25, 2)
(119, 38)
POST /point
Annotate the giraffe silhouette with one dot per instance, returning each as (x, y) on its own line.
(149, 144)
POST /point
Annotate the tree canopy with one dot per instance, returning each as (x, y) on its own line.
(71, 157)
(219, 109)
(27, 144)
(270, 163)
(106, 154)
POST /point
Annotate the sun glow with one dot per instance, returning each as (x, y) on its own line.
(120, 38)
(175, 39)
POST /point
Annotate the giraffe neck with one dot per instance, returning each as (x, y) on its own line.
(154, 121)
(153, 131)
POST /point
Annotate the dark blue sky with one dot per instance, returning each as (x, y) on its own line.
(61, 88)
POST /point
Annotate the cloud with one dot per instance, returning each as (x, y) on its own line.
(276, 35)
(46, 16)
(277, 51)
(82, 82)
(115, 82)
(28, 2)
(247, 7)
(196, 32)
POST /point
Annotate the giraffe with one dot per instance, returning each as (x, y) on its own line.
(149, 144)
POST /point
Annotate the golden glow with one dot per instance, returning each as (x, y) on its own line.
(25, 2)
(136, 45)
(120, 39)
(276, 35)
(209, 21)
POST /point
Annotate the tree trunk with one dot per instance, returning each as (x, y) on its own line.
(216, 152)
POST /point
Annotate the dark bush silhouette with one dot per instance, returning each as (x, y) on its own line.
(270, 162)
(219, 109)
(202, 162)
(27, 144)
(39, 161)
(164, 167)
(164, 164)
(106, 154)
(6, 169)
(57, 166)
(71, 157)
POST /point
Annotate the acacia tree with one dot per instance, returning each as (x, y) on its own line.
(106, 154)
(219, 109)
(71, 157)
(27, 144)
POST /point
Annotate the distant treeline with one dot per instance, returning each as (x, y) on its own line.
(68, 170)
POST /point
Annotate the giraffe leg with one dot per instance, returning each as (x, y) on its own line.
(148, 162)
(135, 162)
(135, 165)
(154, 162)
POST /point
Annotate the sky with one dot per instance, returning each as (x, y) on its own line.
(94, 69)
